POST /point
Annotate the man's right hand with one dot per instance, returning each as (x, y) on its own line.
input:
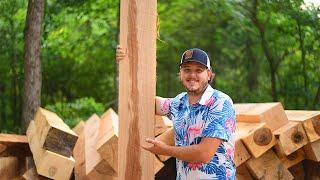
(121, 53)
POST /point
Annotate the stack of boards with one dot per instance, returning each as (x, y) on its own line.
(271, 143)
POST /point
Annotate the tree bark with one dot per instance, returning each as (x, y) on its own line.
(32, 64)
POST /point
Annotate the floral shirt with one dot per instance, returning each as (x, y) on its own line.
(213, 116)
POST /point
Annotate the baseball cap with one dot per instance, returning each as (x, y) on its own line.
(195, 55)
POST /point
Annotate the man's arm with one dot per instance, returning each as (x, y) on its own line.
(197, 153)
(162, 106)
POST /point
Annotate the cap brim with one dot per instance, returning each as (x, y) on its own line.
(191, 60)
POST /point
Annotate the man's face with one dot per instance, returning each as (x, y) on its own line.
(194, 77)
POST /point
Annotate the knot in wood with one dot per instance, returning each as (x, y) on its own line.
(316, 125)
(297, 137)
(52, 171)
(262, 136)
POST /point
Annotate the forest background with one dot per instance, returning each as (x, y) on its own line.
(260, 50)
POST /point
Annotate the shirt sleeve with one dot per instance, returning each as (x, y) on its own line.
(221, 120)
(171, 106)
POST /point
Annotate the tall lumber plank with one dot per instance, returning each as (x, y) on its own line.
(48, 164)
(291, 137)
(310, 121)
(257, 137)
(54, 134)
(168, 138)
(312, 151)
(272, 114)
(137, 87)
(268, 166)
(162, 123)
(14, 145)
(241, 153)
(96, 167)
(107, 144)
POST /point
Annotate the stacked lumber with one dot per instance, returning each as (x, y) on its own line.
(51, 142)
(273, 143)
(96, 151)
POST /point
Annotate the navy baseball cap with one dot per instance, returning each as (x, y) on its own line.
(195, 55)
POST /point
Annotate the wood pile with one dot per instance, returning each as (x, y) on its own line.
(271, 143)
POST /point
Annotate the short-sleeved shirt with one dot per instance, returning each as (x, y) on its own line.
(213, 117)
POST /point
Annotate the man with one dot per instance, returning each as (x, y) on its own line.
(203, 120)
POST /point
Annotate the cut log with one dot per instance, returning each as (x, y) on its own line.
(257, 137)
(79, 156)
(162, 123)
(272, 114)
(310, 121)
(96, 167)
(289, 160)
(241, 153)
(137, 87)
(268, 166)
(49, 164)
(168, 138)
(79, 128)
(242, 173)
(9, 167)
(291, 137)
(54, 134)
(14, 145)
(107, 144)
(312, 151)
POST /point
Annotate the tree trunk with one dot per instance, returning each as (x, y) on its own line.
(32, 64)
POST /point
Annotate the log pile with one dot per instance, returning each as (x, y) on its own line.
(271, 143)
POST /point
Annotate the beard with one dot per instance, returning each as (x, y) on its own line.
(195, 91)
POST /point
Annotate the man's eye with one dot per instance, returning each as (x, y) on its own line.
(186, 70)
(199, 70)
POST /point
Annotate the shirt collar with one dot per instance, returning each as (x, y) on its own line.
(206, 95)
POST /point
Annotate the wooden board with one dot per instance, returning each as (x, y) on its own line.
(289, 160)
(79, 128)
(31, 171)
(168, 138)
(107, 144)
(291, 137)
(49, 164)
(14, 145)
(310, 121)
(96, 167)
(312, 151)
(137, 87)
(79, 156)
(272, 114)
(242, 173)
(311, 170)
(241, 153)
(158, 165)
(268, 166)
(9, 167)
(257, 137)
(54, 134)
(162, 123)
(297, 171)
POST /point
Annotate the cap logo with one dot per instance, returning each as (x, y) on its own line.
(188, 54)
